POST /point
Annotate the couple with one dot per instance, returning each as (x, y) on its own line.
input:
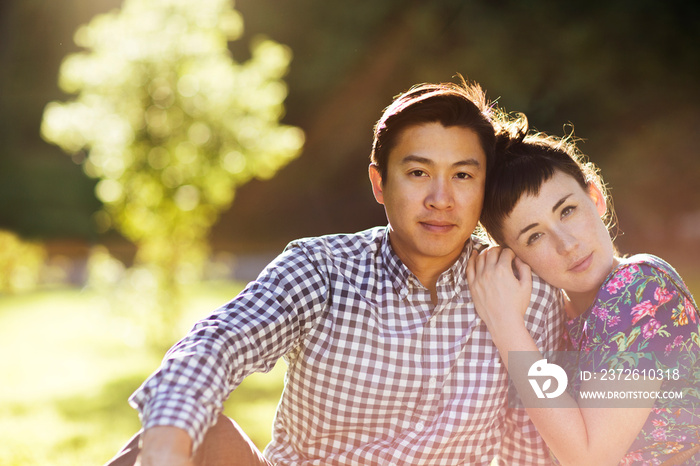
(397, 338)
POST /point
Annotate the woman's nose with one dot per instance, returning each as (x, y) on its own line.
(566, 242)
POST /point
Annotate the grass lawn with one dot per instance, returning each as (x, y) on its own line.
(68, 367)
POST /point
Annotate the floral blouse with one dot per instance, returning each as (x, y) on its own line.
(644, 317)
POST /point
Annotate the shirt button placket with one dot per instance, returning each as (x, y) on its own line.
(431, 344)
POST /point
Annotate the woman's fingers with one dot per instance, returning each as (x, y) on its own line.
(524, 272)
(471, 266)
(497, 264)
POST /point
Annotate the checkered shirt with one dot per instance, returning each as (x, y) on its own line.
(377, 374)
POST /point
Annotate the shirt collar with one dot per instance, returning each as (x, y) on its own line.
(403, 279)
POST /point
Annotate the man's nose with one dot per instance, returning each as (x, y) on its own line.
(441, 195)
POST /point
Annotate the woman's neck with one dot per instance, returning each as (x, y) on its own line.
(578, 302)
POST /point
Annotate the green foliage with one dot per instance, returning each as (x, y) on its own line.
(171, 126)
(21, 263)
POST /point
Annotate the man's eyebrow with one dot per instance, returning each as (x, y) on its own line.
(554, 209)
(426, 161)
(468, 162)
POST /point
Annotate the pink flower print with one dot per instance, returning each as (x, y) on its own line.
(622, 278)
(662, 295)
(650, 328)
(690, 309)
(668, 349)
(659, 423)
(678, 341)
(600, 312)
(627, 274)
(613, 320)
(659, 435)
(631, 458)
(643, 309)
(614, 285)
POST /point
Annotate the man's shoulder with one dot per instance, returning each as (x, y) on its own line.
(545, 296)
(342, 245)
(539, 283)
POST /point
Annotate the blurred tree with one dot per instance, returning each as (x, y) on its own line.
(171, 125)
(21, 263)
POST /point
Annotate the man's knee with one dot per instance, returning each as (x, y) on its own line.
(128, 454)
(225, 444)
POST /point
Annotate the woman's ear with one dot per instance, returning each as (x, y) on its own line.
(375, 177)
(598, 198)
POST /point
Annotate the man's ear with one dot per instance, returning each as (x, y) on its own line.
(598, 198)
(375, 177)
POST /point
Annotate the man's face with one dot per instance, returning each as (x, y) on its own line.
(433, 193)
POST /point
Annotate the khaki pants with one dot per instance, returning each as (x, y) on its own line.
(224, 445)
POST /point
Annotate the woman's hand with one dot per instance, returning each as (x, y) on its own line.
(501, 298)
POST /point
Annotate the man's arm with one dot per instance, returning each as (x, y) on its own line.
(247, 335)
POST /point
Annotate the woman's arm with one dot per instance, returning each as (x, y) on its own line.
(576, 435)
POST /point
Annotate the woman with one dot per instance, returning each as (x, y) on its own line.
(633, 316)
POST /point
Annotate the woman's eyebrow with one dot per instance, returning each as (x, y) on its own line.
(561, 201)
(532, 225)
(554, 209)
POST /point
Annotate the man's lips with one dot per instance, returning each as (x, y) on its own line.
(437, 226)
(581, 264)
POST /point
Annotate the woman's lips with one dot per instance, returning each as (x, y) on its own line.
(581, 264)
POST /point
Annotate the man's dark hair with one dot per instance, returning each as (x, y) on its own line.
(449, 104)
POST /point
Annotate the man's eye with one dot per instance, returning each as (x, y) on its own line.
(417, 173)
(463, 176)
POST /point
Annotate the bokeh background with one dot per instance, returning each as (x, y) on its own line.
(623, 73)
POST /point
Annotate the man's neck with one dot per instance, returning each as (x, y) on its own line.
(428, 270)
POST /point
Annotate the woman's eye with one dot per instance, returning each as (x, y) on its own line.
(417, 173)
(566, 211)
(533, 237)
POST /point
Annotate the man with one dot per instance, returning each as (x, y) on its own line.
(388, 362)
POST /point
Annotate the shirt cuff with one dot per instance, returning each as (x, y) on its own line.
(177, 411)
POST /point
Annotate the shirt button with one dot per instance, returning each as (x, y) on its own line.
(432, 381)
(420, 426)
(432, 322)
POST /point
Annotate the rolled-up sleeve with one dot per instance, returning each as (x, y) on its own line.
(247, 335)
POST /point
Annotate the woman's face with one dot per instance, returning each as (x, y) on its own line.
(560, 234)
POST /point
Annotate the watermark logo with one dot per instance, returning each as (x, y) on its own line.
(546, 372)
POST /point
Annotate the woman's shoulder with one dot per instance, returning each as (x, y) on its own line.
(647, 260)
(642, 268)
(644, 301)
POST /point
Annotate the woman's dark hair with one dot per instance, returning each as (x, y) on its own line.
(523, 162)
(449, 104)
